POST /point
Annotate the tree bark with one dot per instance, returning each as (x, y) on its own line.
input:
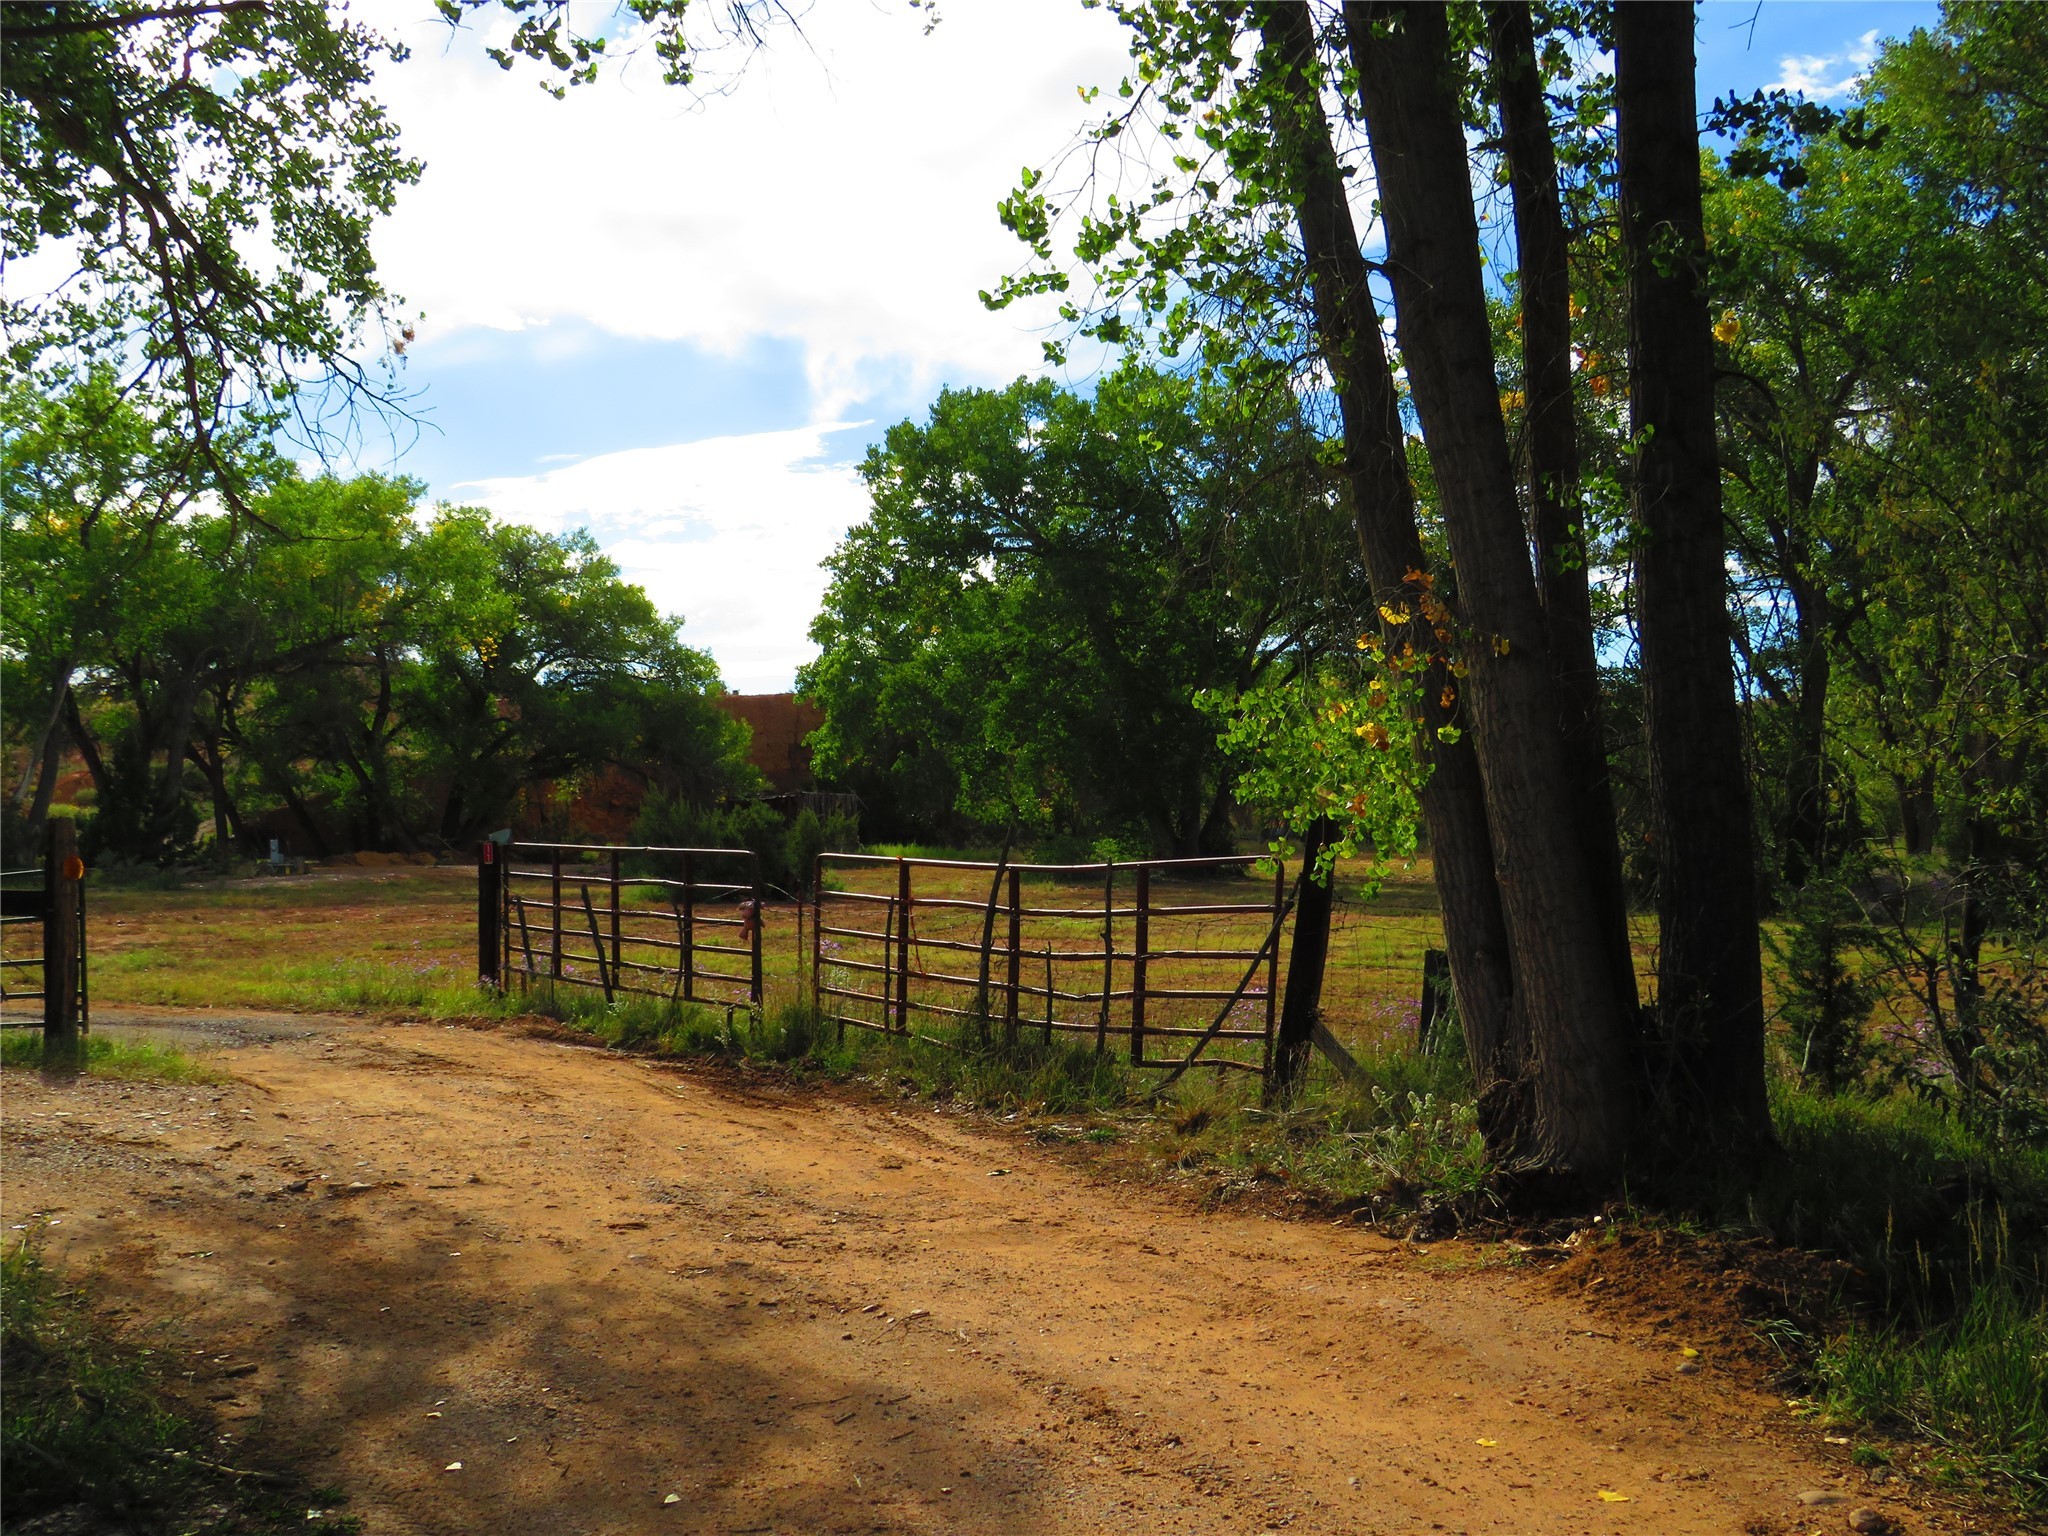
(1581, 1080)
(1556, 511)
(34, 768)
(88, 749)
(1710, 976)
(46, 766)
(1347, 327)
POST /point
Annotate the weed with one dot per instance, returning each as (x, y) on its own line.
(106, 1057)
(1976, 1385)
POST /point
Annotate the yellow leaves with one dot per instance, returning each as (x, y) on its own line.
(1395, 613)
(1689, 1352)
(1500, 645)
(1459, 669)
(1511, 400)
(1376, 696)
(1599, 384)
(1577, 309)
(1609, 1496)
(1484, 1441)
(1376, 735)
(1418, 577)
(1727, 328)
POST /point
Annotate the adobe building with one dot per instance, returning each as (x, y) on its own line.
(780, 723)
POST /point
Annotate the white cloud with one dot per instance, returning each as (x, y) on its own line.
(1822, 76)
(728, 532)
(842, 194)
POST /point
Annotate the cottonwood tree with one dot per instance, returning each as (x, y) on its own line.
(1046, 584)
(1251, 233)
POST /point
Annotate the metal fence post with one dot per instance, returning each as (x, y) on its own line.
(760, 921)
(817, 923)
(489, 910)
(1108, 956)
(1016, 955)
(689, 928)
(63, 872)
(555, 914)
(903, 947)
(617, 975)
(1142, 936)
(1273, 958)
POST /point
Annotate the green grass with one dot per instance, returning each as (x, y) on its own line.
(1907, 1193)
(1976, 1385)
(1948, 1233)
(106, 1057)
(85, 1421)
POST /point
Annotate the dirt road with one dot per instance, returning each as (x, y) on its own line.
(595, 1283)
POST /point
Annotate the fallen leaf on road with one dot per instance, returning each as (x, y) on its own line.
(1486, 1442)
(674, 1498)
(453, 1466)
(1609, 1496)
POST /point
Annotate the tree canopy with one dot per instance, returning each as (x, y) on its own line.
(376, 674)
(1019, 632)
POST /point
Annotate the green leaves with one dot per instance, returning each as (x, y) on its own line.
(1338, 743)
(166, 183)
(1019, 630)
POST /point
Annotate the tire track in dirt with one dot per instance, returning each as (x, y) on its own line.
(596, 1283)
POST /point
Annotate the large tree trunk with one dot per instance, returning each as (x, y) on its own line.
(1556, 511)
(95, 765)
(1709, 967)
(39, 767)
(175, 740)
(1581, 1079)
(47, 763)
(1383, 504)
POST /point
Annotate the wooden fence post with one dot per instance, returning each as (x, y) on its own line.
(1141, 938)
(1016, 956)
(903, 947)
(63, 872)
(1436, 986)
(489, 910)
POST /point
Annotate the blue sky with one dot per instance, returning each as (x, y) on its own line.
(681, 324)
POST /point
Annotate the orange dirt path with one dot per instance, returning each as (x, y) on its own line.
(596, 1282)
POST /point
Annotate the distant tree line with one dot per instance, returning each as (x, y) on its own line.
(335, 663)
